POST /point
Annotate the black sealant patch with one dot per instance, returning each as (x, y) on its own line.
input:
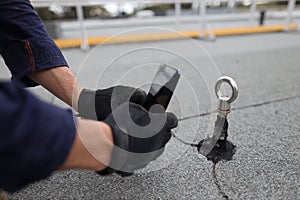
(216, 149)
(223, 150)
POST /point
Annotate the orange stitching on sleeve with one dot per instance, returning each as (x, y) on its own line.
(30, 55)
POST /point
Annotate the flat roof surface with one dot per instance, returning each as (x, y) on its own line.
(264, 125)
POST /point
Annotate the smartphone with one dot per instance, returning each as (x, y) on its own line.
(162, 87)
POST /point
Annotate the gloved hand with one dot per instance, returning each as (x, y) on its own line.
(139, 137)
(99, 104)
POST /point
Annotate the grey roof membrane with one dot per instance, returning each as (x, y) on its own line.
(264, 125)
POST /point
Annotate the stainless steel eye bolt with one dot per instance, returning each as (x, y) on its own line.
(224, 101)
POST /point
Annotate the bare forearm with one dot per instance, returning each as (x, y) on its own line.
(61, 82)
(94, 142)
(92, 147)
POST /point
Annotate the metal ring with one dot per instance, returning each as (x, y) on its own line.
(233, 86)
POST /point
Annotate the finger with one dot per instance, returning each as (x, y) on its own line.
(172, 121)
(166, 137)
(138, 96)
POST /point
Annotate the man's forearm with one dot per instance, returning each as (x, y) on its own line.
(61, 82)
(92, 147)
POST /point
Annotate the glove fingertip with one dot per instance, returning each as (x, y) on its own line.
(125, 174)
(106, 171)
(138, 96)
(172, 120)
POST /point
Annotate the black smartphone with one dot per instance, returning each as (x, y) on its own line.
(162, 87)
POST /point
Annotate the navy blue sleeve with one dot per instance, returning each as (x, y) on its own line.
(35, 137)
(25, 44)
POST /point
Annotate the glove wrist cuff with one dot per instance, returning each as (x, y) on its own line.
(86, 104)
(120, 150)
(119, 154)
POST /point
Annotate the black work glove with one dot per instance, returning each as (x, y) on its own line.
(139, 137)
(99, 104)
